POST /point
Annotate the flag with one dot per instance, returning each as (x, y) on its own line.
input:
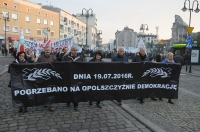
(47, 43)
(21, 47)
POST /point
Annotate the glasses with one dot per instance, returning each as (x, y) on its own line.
(21, 55)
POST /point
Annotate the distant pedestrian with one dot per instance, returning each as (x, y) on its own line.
(178, 58)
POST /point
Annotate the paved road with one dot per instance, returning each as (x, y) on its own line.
(110, 118)
(183, 116)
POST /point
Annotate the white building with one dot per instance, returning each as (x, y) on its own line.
(75, 26)
(179, 31)
(91, 23)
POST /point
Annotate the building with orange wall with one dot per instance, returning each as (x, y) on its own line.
(37, 23)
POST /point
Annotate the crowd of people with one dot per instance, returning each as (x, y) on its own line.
(65, 54)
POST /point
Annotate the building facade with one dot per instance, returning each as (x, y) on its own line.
(179, 30)
(126, 38)
(91, 23)
(37, 23)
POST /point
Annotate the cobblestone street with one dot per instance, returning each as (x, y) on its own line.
(88, 119)
(183, 116)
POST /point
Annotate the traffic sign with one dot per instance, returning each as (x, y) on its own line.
(189, 41)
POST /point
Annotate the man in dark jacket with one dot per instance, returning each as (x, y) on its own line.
(178, 58)
(141, 57)
(73, 56)
(120, 57)
(47, 57)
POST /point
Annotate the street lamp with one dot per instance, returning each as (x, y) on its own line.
(6, 18)
(87, 14)
(189, 38)
(46, 31)
(142, 27)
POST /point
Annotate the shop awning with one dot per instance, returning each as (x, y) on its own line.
(12, 38)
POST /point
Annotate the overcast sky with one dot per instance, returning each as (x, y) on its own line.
(113, 15)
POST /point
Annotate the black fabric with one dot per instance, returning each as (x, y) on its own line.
(92, 81)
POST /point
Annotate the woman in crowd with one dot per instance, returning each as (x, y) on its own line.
(30, 55)
(20, 58)
(97, 58)
(169, 59)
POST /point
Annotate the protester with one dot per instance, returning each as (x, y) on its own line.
(158, 57)
(63, 54)
(97, 58)
(178, 58)
(169, 59)
(20, 58)
(47, 57)
(120, 57)
(30, 55)
(73, 56)
(142, 57)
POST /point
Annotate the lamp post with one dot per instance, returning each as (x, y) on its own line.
(142, 27)
(6, 18)
(46, 31)
(189, 29)
(99, 32)
(87, 14)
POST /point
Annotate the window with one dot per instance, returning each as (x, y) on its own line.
(5, 4)
(27, 19)
(51, 23)
(45, 22)
(5, 14)
(7, 28)
(39, 32)
(38, 20)
(15, 7)
(28, 30)
(14, 16)
(52, 34)
(15, 29)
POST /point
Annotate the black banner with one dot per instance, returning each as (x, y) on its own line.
(63, 82)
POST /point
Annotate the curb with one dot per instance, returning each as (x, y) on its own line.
(142, 119)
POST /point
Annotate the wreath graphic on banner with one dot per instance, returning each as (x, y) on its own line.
(34, 74)
(162, 72)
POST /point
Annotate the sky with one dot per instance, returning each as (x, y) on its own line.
(113, 15)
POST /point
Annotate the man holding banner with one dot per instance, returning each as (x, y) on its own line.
(73, 56)
(120, 57)
(47, 57)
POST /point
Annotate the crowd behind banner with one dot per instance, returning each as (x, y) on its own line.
(81, 81)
